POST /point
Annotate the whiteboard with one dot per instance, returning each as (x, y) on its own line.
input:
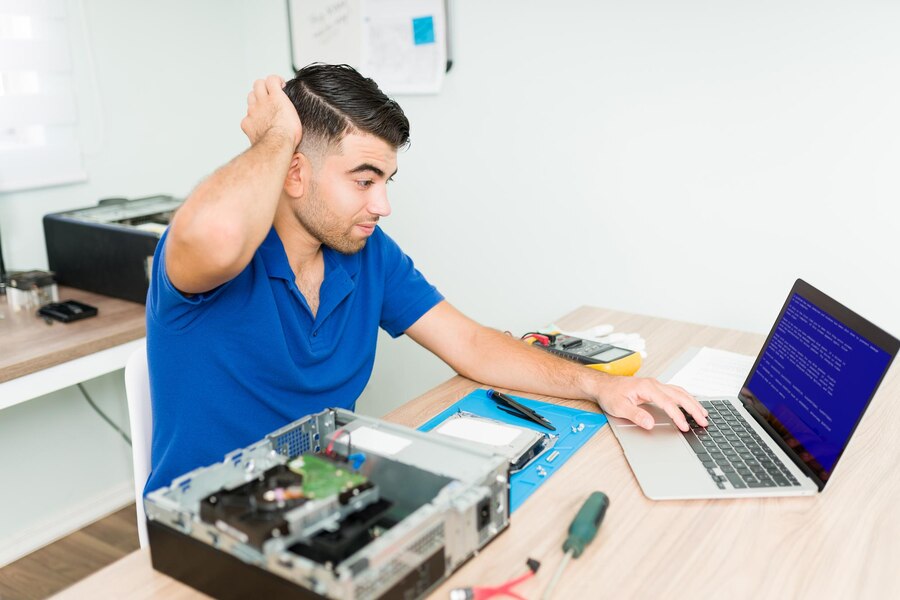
(328, 31)
(401, 44)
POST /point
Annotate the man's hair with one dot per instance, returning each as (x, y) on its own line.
(334, 100)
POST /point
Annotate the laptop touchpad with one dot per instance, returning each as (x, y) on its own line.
(659, 417)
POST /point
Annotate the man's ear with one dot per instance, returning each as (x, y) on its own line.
(299, 176)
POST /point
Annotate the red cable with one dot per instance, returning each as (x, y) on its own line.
(543, 340)
(504, 589)
(331, 442)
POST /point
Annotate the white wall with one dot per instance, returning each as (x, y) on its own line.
(696, 157)
(683, 159)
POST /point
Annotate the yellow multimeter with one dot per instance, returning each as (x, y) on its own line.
(596, 355)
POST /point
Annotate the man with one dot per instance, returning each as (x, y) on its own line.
(269, 287)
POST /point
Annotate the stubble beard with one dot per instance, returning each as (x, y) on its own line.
(325, 226)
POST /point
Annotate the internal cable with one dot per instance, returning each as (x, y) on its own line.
(329, 450)
(103, 415)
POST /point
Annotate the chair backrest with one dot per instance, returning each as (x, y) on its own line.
(137, 390)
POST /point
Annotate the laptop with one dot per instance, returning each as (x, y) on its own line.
(784, 433)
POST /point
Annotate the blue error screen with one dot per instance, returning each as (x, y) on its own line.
(816, 377)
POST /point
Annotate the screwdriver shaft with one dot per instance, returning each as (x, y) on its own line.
(548, 591)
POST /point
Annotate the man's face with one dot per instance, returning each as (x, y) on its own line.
(348, 193)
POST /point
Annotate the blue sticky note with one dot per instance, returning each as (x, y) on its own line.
(423, 30)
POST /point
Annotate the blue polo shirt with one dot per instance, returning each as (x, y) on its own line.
(231, 365)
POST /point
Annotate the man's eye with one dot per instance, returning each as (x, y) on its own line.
(365, 183)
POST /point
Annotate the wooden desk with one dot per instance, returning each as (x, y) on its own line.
(844, 543)
(36, 358)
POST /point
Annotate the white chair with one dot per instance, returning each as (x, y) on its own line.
(137, 391)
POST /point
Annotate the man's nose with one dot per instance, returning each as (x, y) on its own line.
(379, 204)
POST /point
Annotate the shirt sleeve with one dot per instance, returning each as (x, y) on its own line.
(407, 294)
(165, 303)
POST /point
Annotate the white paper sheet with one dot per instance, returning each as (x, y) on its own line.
(713, 372)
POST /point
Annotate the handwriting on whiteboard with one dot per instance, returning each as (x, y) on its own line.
(330, 20)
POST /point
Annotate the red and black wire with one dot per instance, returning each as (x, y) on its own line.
(544, 339)
(502, 590)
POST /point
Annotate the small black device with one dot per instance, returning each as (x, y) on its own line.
(68, 311)
(596, 355)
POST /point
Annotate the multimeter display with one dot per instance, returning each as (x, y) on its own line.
(586, 351)
(612, 353)
(602, 357)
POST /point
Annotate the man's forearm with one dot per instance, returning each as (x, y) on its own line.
(493, 358)
(507, 362)
(504, 361)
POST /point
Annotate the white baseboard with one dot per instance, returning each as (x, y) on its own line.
(65, 522)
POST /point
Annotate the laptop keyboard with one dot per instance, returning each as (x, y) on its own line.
(733, 452)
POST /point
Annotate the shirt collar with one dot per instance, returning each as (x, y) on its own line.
(274, 257)
(277, 265)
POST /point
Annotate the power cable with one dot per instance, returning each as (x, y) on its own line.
(104, 416)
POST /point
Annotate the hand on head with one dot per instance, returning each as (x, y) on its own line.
(271, 112)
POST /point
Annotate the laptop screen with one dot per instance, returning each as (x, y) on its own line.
(817, 372)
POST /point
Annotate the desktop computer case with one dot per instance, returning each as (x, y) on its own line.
(457, 496)
(108, 248)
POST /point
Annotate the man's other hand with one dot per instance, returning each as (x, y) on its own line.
(270, 111)
(622, 397)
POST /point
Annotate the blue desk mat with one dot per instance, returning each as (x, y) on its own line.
(526, 481)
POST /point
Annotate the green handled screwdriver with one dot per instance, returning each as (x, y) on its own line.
(581, 532)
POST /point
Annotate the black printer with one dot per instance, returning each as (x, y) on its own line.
(108, 248)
